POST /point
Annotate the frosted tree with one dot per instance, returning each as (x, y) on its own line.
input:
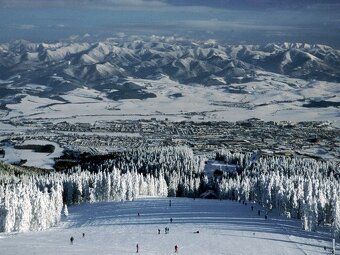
(65, 211)
(77, 190)
(24, 211)
(336, 216)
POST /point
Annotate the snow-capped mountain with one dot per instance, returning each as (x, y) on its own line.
(169, 76)
(66, 65)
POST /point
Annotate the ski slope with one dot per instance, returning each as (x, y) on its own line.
(225, 227)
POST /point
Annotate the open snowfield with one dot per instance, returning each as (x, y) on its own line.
(225, 227)
(36, 159)
(272, 99)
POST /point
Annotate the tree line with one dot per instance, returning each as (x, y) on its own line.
(301, 188)
(36, 202)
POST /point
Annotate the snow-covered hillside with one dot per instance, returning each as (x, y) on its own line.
(225, 227)
(33, 158)
(274, 98)
(124, 78)
(187, 61)
(174, 78)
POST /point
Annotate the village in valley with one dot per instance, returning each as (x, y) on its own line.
(319, 140)
(169, 126)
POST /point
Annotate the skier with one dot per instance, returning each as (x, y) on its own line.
(266, 217)
(252, 208)
(176, 248)
(138, 214)
(258, 212)
(159, 231)
(83, 234)
(170, 220)
(71, 239)
(169, 203)
(137, 248)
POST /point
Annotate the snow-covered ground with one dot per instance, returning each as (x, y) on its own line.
(273, 98)
(225, 227)
(35, 159)
(212, 165)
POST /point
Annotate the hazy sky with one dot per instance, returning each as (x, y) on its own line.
(234, 21)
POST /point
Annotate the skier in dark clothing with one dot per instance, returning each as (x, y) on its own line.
(258, 212)
(170, 220)
(138, 214)
(169, 203)
(252, 208)
(266, 217)
(83, 234)
(159, 231)
(176, 248)
(137, 248)
(71, 239)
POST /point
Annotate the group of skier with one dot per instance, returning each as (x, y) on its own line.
(72, 238)
(259, 212)
(137, 245)
(176, 248)
(166, 231)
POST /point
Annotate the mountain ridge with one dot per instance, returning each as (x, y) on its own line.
(96, 63)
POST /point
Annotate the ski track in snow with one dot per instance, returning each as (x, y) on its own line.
(226, 227)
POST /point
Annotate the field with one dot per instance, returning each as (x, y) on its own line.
(225, 227)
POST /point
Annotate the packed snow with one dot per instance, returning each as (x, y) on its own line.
(225, 227)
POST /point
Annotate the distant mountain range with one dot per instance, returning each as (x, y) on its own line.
(51, 69)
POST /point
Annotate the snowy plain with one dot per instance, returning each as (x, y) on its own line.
(273, 98)
(225, 227)
(36, 159)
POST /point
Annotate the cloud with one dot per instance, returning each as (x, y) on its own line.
(218, 25)
(83, 3)
(152, 3)
(251, 3)
(177, 4)
(26, 26)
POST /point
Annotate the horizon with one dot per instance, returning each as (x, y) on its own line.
(258, 22)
